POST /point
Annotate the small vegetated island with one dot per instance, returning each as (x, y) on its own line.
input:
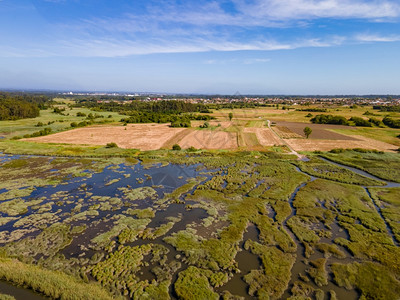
(91, 221)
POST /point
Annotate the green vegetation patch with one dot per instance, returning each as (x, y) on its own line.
(318, 272)
(17, 206)
(54, 284)
(141, 213)
(139, 193)
(153, 290)
(126, 228)
(119, 268)
(193, 284)
(211, 254)
(318, 168)
(48, 243)
(373, 163)
(389, 202)
(15, 163)
(373, 280)
(271, 281)
(6, 297)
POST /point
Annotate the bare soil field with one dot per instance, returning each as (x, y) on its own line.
(326, 145)
(286, 133)
(319, 131)
(265, 136)
(248, 113)
(137, 136)
(209, 139)
(176, 138)
(157, 136)
(222, 124)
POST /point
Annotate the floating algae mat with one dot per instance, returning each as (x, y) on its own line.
(197, 226)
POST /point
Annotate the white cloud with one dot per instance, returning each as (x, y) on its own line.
(247, 61)
(201, 28)
(251, 61)
(119, 48)
(264, 13)
(377, 38)
(311, 9)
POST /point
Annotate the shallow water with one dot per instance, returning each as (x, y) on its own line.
(19, 293)
(247, 261)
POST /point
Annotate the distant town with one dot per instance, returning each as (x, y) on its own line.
(218, 99)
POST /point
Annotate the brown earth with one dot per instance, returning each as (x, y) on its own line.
(286, 133)
(156, 136)
(326, 145)
(137, 136)
(176, 138)
(265, 136)
(319, 131)
(223, 124)
(209, 139)
(249, 113)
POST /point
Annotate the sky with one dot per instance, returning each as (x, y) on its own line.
(200, 46)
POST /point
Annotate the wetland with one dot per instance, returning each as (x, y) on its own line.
(201, 225)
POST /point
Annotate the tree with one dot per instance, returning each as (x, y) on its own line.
(307, 131)
(111, 145)
(176, 147)
(230, 116)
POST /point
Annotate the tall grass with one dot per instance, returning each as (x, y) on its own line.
(53, 284)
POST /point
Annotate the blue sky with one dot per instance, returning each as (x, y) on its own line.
(250, 46)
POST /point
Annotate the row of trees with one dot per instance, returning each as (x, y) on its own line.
(392, 108)
(178, 113)
(176, 120)
(164, 107)
(329, 119)
(357, 121)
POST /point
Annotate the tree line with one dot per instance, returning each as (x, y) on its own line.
(356, 121)
(13, 109)
(391, 108)
(21, 106)
(164, 107)
(178, 113)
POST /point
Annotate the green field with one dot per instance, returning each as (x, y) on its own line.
(56, 122)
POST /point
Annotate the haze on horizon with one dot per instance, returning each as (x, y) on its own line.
(250, 46)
